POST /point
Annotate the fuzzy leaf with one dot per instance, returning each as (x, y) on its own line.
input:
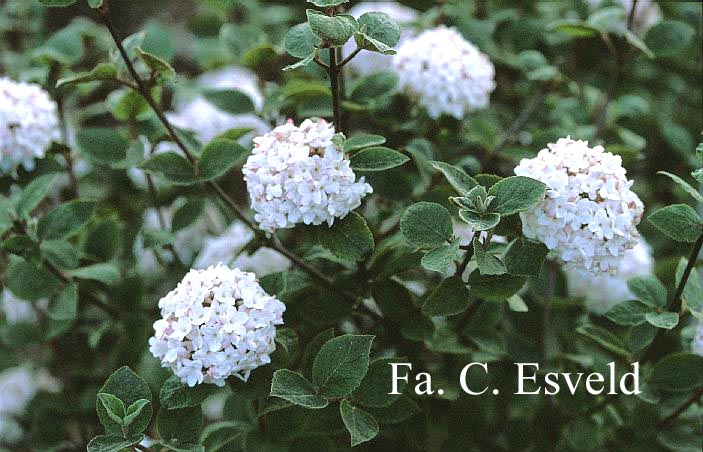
(515, 194)
(440, 258)
(334, 30)
(361, 425)
(449, 298)
(488, 264)
(376, 158)
(349, 239)
(341, 364)
(679, 222)
(65, 220)
(457, 178)
(426, 224)
(294, 388)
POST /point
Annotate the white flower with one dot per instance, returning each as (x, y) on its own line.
(227, 248)
(17, 310)
(18, 385)
(445, 72)
(647, 12)
(603, 291)
(589, 215)
(298, 175)
(28, 124)
(217, 322)
(697, 342)
(367, 62)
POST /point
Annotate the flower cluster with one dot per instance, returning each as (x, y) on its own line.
(368, 62)
(697, 342)
(28, 124)
(228, 248)
(299, 174)
(603, 291)
(217, 322)
(446, 73)
(18, 385)
(589, 215)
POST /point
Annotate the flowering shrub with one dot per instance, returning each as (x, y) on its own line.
(324, 225)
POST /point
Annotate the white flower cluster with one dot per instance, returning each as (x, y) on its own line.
(697, 342)
(227, 249)
(603, 291)
(217, 322)
(589, 215)
(298, 174)
(445, 72)
(367, 62)
(18, 385)
(206, 120)
(28, 124)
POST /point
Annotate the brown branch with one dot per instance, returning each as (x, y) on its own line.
(672, 417)
(350, 57)
(467, 257)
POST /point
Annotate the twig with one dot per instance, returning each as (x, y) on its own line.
(321, 63)
(674, 306)
(334, 85)
(349, 58)
(469, 254)
(522, 119)
(672, 417)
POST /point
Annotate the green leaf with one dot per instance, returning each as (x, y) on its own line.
(334, 30)
(457, 178)
(628, 313)
(379, 32)
(450, 297)
(349, 239)
(479, 222)
(666, 320)
(488, 264)
(440, 258)
(669, 37)
(341, 364)
(113, 407)
(574, 28)
(59, 253)
(103, 71)
(223, 436)
(95, 3)
(426, 224)
(494, 287)
(300, 41)
(230, 101)
(304, 62)
(374, 390)
(219, 156)
(294, 388)
(327, 3)
(693, 291)
(362, 141)
(112, 443)
(312, 349)
(129, 388)
(685, 185)
(172, 167)
(374, 88)
(649, 290)
(134, 411)
(64, 306)
(376, 158)
(102, 146)
(57, 3)
(361, 425)
(639, 44)
(65, 220)
(679, 222)
(187, 214)
(524, 257)
(34, 193)
(181, 424)
(515, 194)
(517, 304)
(604, 338)
(680, 372)
(156, 64)
(398, 412)
(29, 282)
(175, 394)
(104, 272)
